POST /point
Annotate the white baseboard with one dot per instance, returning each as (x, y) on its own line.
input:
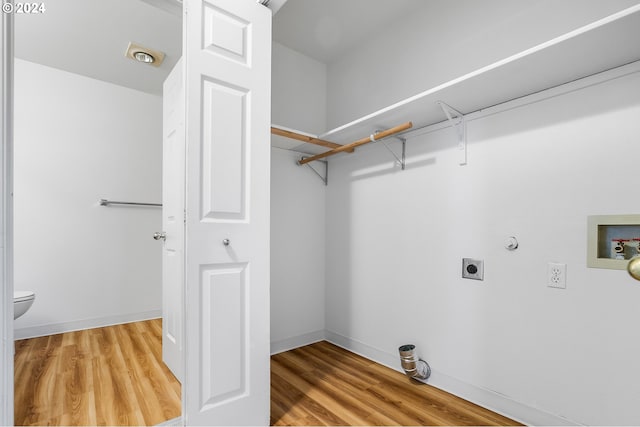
(78, 325)
(297, 341)
(389, 360)
(486, 398)
(497, 403)
(174, 422)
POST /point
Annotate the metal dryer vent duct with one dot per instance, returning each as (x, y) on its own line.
(414, 367)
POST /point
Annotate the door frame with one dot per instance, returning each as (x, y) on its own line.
(6, 217)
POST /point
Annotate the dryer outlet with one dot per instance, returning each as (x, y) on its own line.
(472, 269)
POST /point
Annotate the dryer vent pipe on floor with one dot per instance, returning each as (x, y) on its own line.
(413, 366)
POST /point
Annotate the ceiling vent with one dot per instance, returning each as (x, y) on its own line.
(144, 54)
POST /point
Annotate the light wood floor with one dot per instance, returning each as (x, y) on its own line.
(115, 376)
(322, 384)
(104, 376)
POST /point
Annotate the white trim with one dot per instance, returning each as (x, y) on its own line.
(172, 422)
(297, 341)
(6, 219)
(486, 398)
(497, 402)
(274, 5)
(364, 350)
(79, 325)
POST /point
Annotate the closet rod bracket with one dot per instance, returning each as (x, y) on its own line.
(400, 159)
(459, 124)
(325, 177)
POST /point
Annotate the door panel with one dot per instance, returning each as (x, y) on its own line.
(225, 33)
(173, 182)
(228, 79)
(224, 137)
(225, 313)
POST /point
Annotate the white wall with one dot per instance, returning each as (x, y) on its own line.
(297, 206)
(395, 238)
(299, 90)
(445, 40)
(78, 140)
(297, 252)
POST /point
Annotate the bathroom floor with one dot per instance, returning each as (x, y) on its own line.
(104, 376)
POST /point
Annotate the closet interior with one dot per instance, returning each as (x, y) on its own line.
(453, 168)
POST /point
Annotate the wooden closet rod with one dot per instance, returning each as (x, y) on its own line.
(366, 140)
(305, 138)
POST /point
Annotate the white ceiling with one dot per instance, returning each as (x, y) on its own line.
(90, 37)
(327, 29)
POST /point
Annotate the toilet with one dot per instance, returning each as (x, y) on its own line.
(22, 301)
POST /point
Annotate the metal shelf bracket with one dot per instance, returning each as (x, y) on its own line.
(459, 125)
(400, 159)
(325, 177)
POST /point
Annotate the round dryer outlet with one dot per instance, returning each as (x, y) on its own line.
(472, 269)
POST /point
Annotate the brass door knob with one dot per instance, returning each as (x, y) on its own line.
(634, 267)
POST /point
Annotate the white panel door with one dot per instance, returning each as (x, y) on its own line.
(173, 183)
(228, 78)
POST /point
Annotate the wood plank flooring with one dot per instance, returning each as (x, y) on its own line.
(104, 376)
(115, 376)
(322, 384)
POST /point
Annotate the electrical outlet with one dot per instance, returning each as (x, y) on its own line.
(472, 269)
(557, 275)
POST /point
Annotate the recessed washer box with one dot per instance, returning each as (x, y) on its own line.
(472, 269)
(612, 240)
